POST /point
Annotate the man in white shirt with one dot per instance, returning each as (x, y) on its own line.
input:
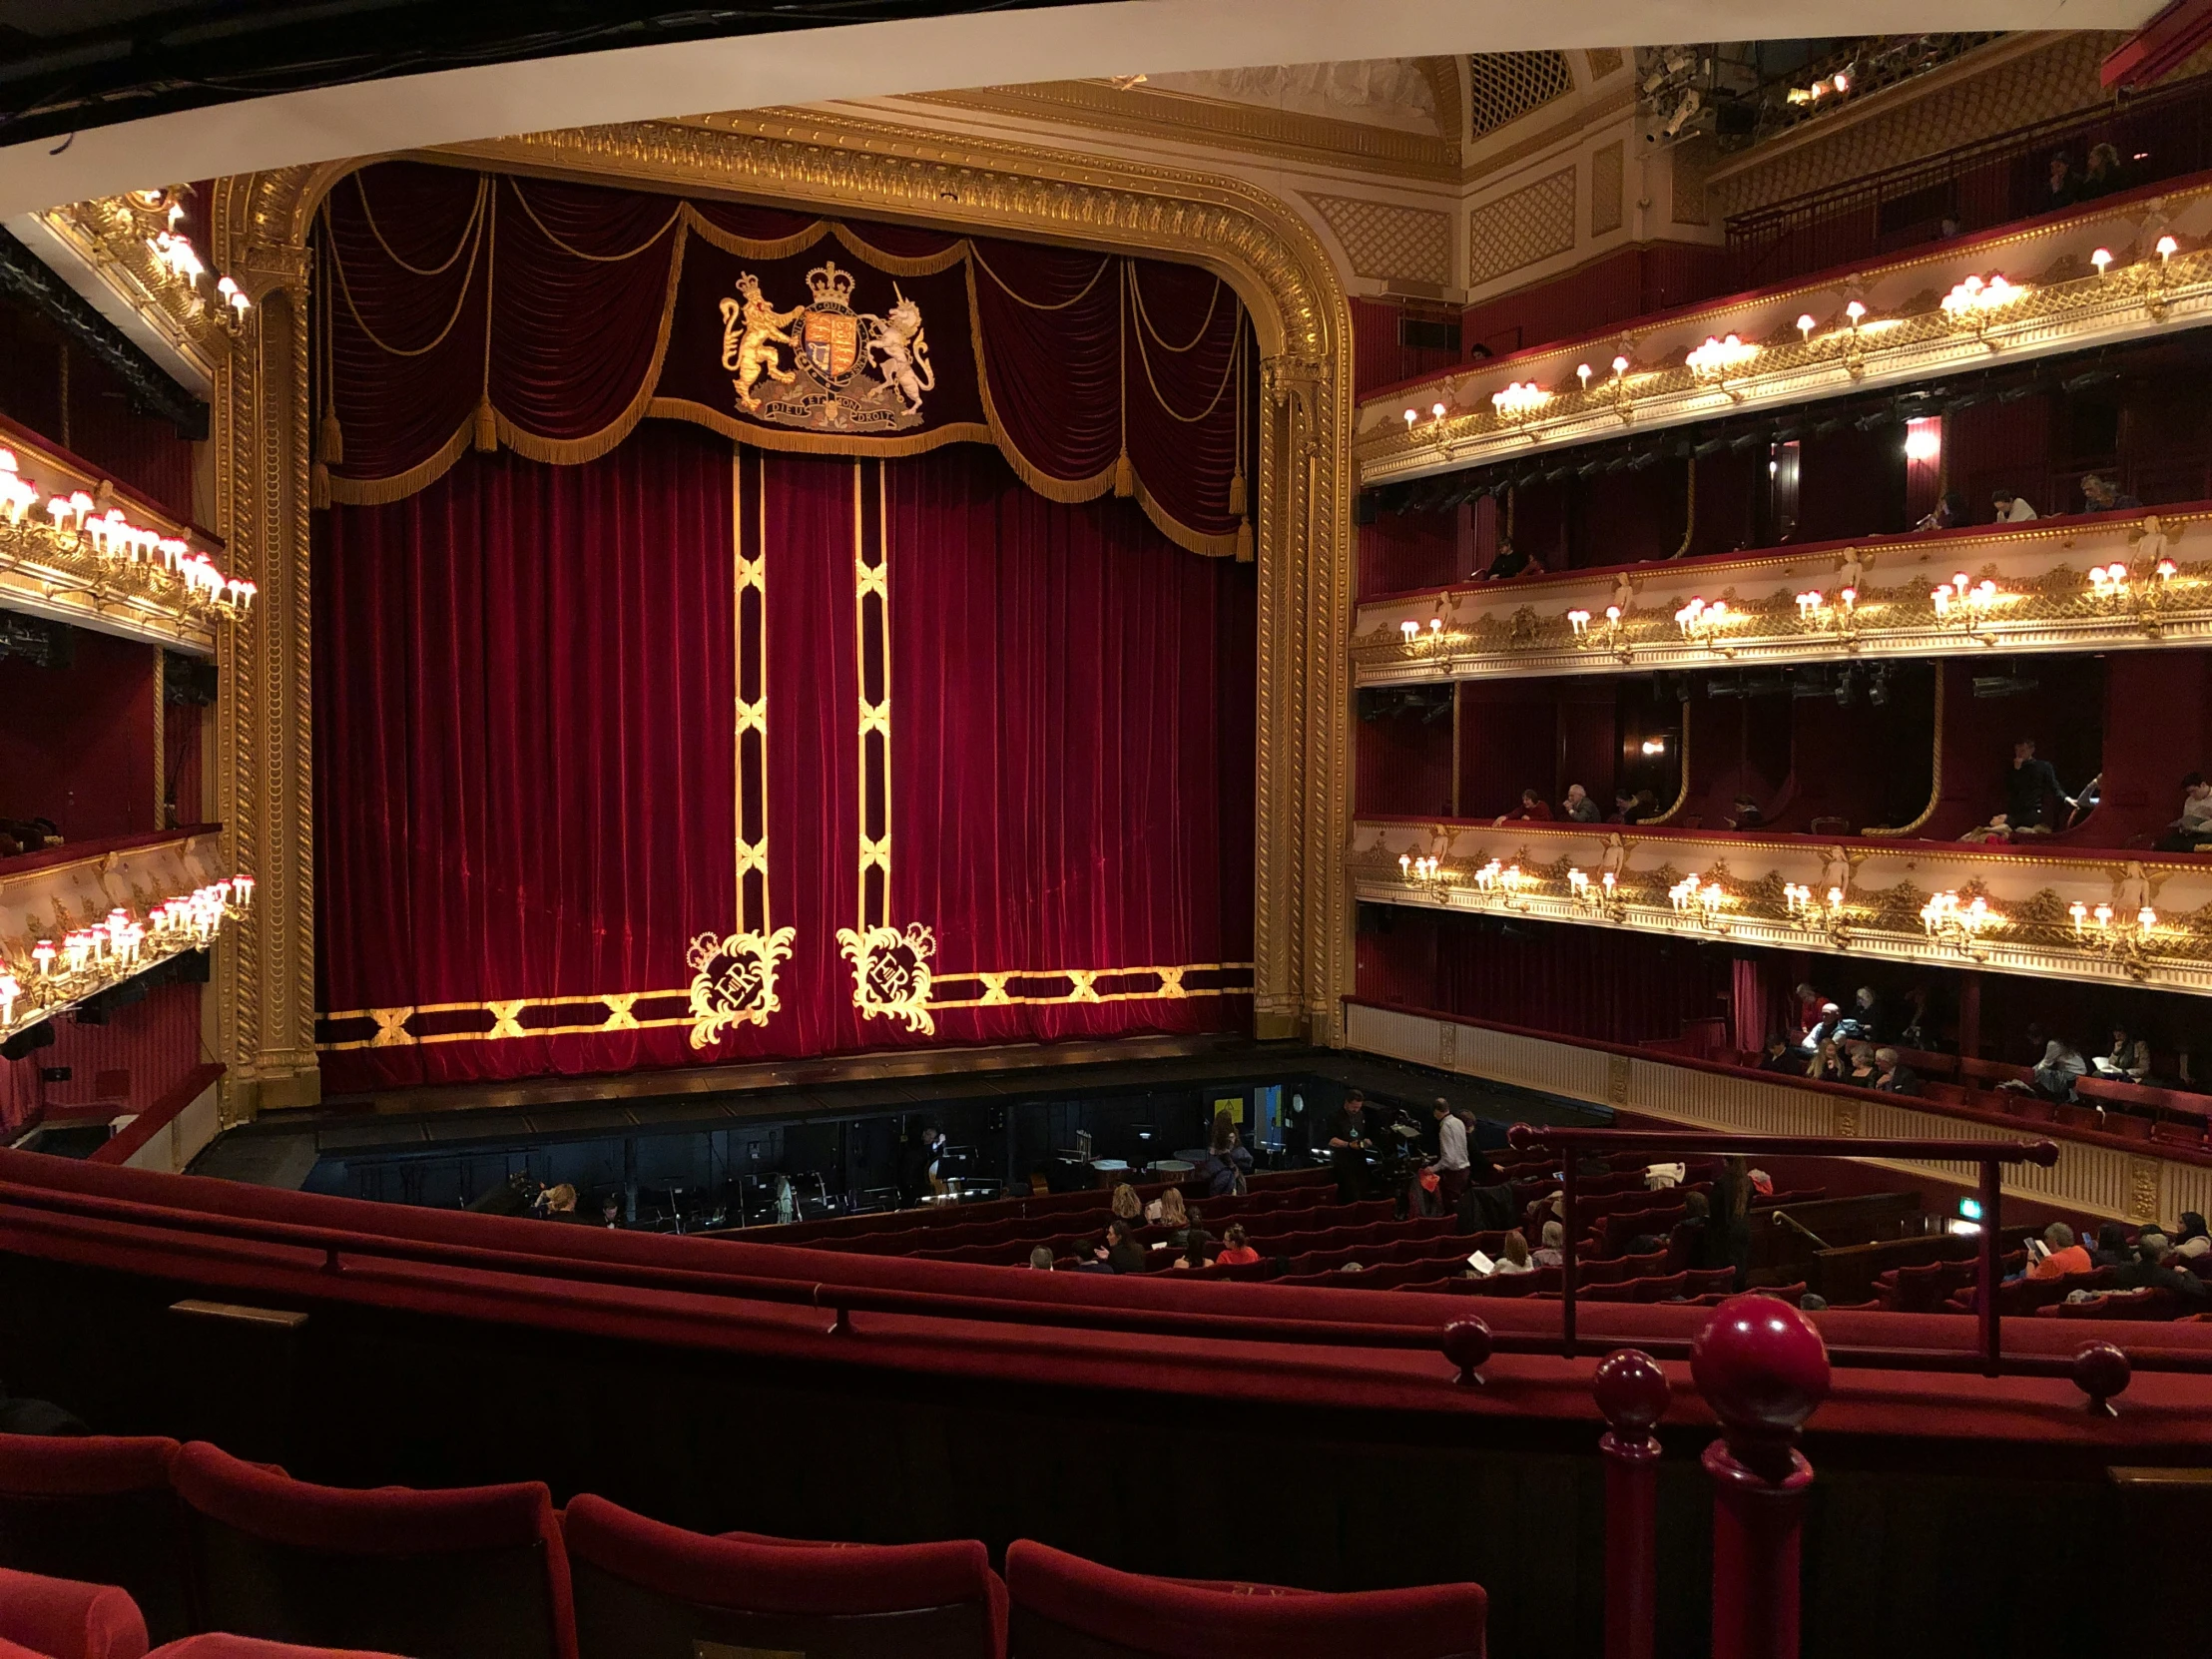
(1451, 1157)
(2013, 509)
(2195, 822)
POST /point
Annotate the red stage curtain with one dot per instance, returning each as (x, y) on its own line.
(463, 308)
(526, 760)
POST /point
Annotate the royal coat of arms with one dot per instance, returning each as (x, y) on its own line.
(850, 370)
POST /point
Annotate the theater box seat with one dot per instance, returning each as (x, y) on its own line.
(1065, 1607)
(474, 1573)
(645, 1590)
(99, 1508)
(64, 1618)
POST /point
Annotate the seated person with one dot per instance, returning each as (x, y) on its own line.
(1123, 1253)
(2055, 1072)
(1180, 1237)
(2194, 825)
(1513, 1255)
(2011, 507)
(2154, 1267)
(1534, 810)
(1892, 1075)
(1828, 1064)
(2129, 1060)
(2100, 494)
(1825, 1029)
(1040, 1259)
(1998, 828)
(1744, 814)
(1778, 1057)
(1193, 1253)
(1633, 808)
(2104, 174)
(1865, 1018)
(1860, 1066)
(1945, 514)
(1236, 1251)
(2063, 1255)
(1509, 560)
(1553, 1253)
(2113, 1249)
(1092, 1257)
(1579, 808)
(2192, 1242)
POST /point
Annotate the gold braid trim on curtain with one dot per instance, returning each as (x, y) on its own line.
(816, 443)
(379, 492)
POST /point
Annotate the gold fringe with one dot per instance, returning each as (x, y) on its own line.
(1237, 505)
(319, 486)
(1243, 541)
(377, 492)
(1125, 477)
(487, 438)
(330, 438)
(785, 440)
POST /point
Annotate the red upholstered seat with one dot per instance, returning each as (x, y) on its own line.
(473, 1573)
(645, 1590)
(64, 1618)
(1067, 1609)
(99, 1508)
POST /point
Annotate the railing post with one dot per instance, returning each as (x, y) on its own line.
(1566, 1253)
(1631, 1390)
(1993, 1336)
(1764, 1370)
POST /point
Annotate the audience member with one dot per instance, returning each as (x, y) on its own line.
(1236, 1251)
(1577, 807)
(1123, 1253)
(2061, 191)
(1778, 1057)
(1728, 1226)
(1454, 1168)
(2113, 1249)
(1127, 1205)
(1892, 1075)
(2100, 494)
(1823, 1029)
(1347, 1149)
(2061, 1254)
(1828, 1064)
(2104, 174)
(2029, 783)
(1534, 808)
(1865, 1019)
(1746, 814)
(1181, 1235)
(1040, 1259)
(1998, 828)
(1509, 560)
(1949, 511)
(1228, 1162)
(610, 1210)
(1811, 1303)
(2195, 822)
(1193, 1253)
(1512, 1255)
(559, 1203)
(1633, 807)
(1917, 1026)
(2059, 1069)
(1553, 1253)
(2011, 508)
(2129, 1060)
(1093, 1257)
(1860, 1066)
(1167, 1210)
(2192, 1241)
(2154, 1267)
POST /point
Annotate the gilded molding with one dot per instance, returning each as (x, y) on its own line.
(825, 162)
(2051, 589)
(1798, 893)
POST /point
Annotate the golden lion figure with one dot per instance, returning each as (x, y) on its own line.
(751, 333)
(900, 355)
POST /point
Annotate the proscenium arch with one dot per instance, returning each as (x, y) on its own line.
(835, 164)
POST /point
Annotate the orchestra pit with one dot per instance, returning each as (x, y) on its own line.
(701, 710)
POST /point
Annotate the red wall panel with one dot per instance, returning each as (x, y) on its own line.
(1609, 289)
(1378, 359)
(144, 1050)
(77, 745)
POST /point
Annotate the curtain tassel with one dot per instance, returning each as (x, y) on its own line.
(330, 438)
(487, 427)
(1125, 477)
(1237, 506)
(1243, 541)
(319, 486)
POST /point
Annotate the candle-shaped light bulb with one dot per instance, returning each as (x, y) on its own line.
(1855, 311)
(1805, 328)
(1404, 862)
(2101, 259)
(1620, 367)
(2167, 248)
(1411, 415)
(1437, 410)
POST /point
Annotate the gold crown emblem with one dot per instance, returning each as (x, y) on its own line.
(827, 283)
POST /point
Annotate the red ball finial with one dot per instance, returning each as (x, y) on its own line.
(1467, 1345)
(2102, 1371)
(1631, 1390)
(1762, 1368)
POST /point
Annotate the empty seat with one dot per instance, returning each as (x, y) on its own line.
(1067, 1609)
(65, 1618)
(473, 1573)
(645, 1590)
(99, 1508)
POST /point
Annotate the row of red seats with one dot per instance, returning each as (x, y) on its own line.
(1253, 1210)
(128, 1535)
(1301, 1222)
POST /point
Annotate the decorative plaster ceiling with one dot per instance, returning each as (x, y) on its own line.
(1378, 92)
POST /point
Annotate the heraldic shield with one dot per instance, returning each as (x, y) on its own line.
(851, 371)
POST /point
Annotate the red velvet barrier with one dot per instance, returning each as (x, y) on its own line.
(220, 1646)
(64, 1619)
(91, 1466)
(1165, 1618)
(781, 1575)
(526, 772)
(467, 306)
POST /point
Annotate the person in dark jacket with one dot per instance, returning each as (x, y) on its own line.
(2029, 784)
(1227, 1160)
(1123, 1253)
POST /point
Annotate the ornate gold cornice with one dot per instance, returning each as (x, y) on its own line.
(1252, 129)
(2051, 588)
(1807, 341)
(1801, 893)
(830, 163)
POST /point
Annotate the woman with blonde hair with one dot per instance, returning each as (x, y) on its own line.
(1127, 1205)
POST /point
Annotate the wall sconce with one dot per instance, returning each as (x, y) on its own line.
(1965, 605)
(1423, 875)
(1947, 920)
(1716, 360)
(2104, 929)
(1699, 900)
(1519, 400)
(1975, 301)
(1699, 622)
(1599, 897)
(90, 959)
(67, 528)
